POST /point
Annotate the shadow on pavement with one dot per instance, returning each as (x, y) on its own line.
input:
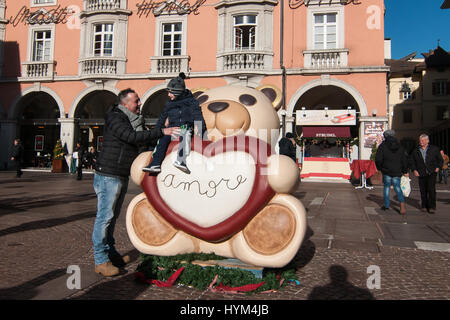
(339, 288)
(25, 203)
(27, 290)
(306, 252)
(44, 224)
(124, 287)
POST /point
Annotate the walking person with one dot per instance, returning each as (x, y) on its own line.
(287, 146)
(17, 156)
(426, 161)
(443, 172)
(80, 155)
(112, 171)
(391, 160)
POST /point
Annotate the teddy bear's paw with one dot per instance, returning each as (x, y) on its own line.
(274, 235)
(141, 161)
(150, 233)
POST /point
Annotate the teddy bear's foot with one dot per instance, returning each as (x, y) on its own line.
(151, 234)
(274, 235)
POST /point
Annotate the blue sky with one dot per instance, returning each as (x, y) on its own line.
(416, 25)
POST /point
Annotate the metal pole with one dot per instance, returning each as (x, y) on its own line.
(283, 70)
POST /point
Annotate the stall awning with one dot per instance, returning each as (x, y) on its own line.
(326, 132)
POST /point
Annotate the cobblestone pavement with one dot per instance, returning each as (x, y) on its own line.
(46, 224)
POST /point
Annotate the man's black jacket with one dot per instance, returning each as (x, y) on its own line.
(433, 160)
(121, 143)
(391, 158)
(287, 148)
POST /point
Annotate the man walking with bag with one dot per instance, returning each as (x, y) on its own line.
(391, 160)
(426, 161)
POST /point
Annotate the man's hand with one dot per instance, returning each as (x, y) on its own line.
(416, 173)
(437, 170)
(12, 158)
(173, 131)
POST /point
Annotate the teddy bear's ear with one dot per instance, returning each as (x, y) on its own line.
(273, 93)
(198, 91)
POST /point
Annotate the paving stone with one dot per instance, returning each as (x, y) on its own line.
(49, 227)
(413, 232)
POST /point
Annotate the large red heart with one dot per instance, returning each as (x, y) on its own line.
(260, 194)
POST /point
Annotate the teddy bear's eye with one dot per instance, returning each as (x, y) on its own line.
(202, 99)
(247, 100)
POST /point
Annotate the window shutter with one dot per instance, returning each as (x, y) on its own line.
(447, 89)
(434, 88)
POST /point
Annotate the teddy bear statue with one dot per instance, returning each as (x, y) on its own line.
(235, 202)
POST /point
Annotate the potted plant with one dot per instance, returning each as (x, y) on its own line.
(58, 158)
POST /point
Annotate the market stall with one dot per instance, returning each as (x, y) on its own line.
(326, 153)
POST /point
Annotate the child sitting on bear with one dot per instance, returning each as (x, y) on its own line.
(182, 110)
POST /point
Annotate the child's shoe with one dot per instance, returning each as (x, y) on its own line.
(152, 169)
(182, 166)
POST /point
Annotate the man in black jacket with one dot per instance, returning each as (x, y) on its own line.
(391, 160)
(426, 161)
(120, 148)
(17, 155)
(287, 146)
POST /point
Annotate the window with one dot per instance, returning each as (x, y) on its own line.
(42, 45)
(407, 116)
(103, 40)
(442, 113)
(325, 31)
(244, 32)
(441, 88)
(406, 95)
(172, 39)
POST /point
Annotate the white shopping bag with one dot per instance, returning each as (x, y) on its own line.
(405, 185)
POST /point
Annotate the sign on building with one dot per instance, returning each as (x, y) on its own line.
(326, 117)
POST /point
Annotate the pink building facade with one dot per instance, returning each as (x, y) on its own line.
(63, 62)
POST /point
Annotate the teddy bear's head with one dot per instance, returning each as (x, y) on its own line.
(233, 110)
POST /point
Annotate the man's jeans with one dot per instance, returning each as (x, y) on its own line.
(387, 182)
(110, 195)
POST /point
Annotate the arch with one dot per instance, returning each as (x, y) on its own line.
(14, 111)
(85, 92)
(332, 82)
(152, 91)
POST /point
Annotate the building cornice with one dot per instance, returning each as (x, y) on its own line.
(212, 74)
(229, 3)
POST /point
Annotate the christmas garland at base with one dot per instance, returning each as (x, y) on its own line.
(178, 269)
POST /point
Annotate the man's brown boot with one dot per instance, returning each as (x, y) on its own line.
(402, 208)
(107, 269)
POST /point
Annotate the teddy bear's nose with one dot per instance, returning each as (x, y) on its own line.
(216, 107)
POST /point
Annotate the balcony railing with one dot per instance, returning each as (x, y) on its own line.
(38, 70)
(93, 5)
(239, 60)
(99, 66)
(244, 60)
(326, 59)
(169, 64)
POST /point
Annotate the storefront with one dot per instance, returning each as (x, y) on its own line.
(326, 138)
